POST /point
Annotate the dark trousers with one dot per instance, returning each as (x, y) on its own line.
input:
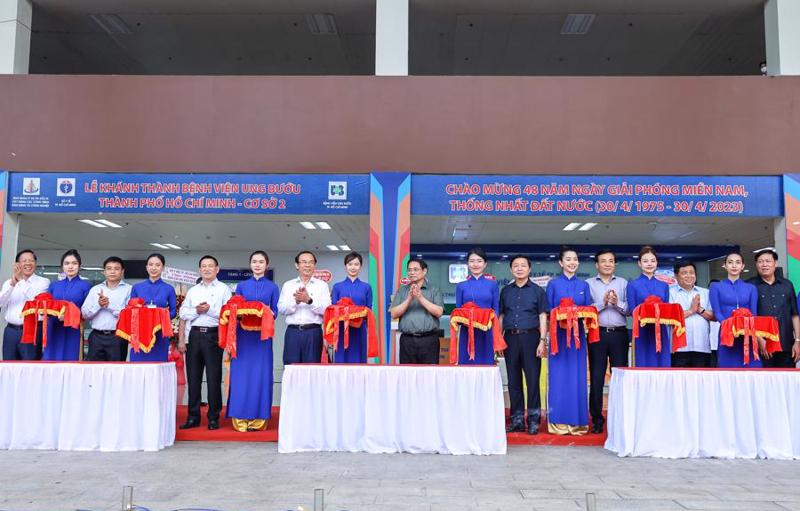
(13, 349)
(106, 347)
(521, 359)
(302, 345)
(611, 348)
(713, 359)
(203, 352)
(691, 359)
(779, 359)
(416, 349)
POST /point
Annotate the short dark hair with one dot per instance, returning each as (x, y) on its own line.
(26, 251)
(683, 264)
(604, 251)
(422, 263)
(647, 249)
(478, 251)
(769, 251)
(259, 252)
(114, 259)
(564, 250)
(207, 256)
(353, 255)
(519, 256)
(297, 257)
(71, 252)
(157, 256)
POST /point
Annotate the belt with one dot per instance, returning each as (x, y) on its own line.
(105, 332)
(205, 329)
(306, 326)
(422, 334)
(613, 328)
(519, 331)
(15, 327)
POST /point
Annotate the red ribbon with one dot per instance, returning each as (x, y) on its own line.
(352, 315)
(654, 310)
(253, 315)
(45, 305)
(475, 317)
(139, 324)
(567, 316)
(743, 323)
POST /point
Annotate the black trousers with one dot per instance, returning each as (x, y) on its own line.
(612, 348)
(13, 349)
(204, 352)
(521, 359)
(104, 347)
(691, 359)
(778, 359)
(419, 349)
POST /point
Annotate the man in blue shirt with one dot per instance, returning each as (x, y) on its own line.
(523, 312)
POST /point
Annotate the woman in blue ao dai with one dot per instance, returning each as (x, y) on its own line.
(64, 343)
(485, 293)
(361, 294)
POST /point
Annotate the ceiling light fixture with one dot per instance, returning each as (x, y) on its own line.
(587, 226)
(333, 248)
(572, 226)
(159, 245)
(93, 223)
(577, 24)
(108, 223)
(765, 248)
(325, 226)
(308, 225)
(345, 247)
(171, 245)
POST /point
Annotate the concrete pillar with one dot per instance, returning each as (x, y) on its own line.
(779, 233)
(781, 22)
(391, 37)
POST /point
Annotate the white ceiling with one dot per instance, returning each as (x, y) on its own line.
(465, 37)
(208, 233)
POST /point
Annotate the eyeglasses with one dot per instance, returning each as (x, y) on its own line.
(413, 270)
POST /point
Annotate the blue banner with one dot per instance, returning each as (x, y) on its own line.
(295, 194)
(597, 195)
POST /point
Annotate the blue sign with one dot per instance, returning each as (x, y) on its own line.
(297, 194)
(597, 195)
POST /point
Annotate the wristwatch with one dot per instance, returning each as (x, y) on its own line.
(310, 300)
(701, 310)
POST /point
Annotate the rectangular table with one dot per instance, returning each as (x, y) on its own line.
(384, 409)
(703, 413)
(71, 406)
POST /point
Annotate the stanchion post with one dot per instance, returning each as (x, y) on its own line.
(319, 499)
(591, 502)
(127, 498)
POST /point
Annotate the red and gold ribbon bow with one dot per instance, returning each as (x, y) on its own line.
(653, 311)
(568, 316)
(253, 316)
(45, 305)
(742, 323)
(139, 324)
(472, 316)
(352, 316)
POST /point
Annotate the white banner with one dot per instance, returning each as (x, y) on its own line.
(180, 276)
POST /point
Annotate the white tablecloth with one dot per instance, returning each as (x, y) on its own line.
(87, 406)
(677, 413)
(383, 409)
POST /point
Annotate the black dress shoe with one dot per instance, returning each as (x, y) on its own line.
(189, 424)
(213, 424)
(533, 425)
(597, 426)
(515, 426)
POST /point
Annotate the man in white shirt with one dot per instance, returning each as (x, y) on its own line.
(697, 314)
(303, 302)
(102, 307)
(23, 285)
(200, 310)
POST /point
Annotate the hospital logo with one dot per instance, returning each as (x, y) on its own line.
(31, 186)
(65, 187)
(337, 190)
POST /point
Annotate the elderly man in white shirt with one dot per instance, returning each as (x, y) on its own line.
(102, 307)
(200, 310)
(303, 302)
(23, 285)
(697, 314)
